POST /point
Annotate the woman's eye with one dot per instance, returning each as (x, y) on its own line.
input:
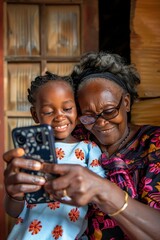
(109, 111)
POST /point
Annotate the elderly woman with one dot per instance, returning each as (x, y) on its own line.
(126, 204)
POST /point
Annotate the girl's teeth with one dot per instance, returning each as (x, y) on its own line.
(61, 127)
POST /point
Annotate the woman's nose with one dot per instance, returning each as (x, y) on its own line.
(101, 121)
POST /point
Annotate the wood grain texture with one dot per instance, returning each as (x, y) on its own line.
(145, 45)
(145, 54)
(146, 112)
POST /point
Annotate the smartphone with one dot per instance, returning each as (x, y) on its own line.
(38, 143)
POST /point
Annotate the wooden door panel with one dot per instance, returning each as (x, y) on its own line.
(60, 68)
(63, 30)
(19, 78)
(23, 30)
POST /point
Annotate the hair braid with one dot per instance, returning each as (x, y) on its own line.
(41, 80)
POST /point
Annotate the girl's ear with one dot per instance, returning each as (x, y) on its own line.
(34, 114)
(127, 102)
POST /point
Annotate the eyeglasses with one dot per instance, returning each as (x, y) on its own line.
(106, 114)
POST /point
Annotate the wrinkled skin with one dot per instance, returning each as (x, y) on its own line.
(107, 95)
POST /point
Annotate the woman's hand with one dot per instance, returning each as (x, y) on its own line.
(16, 182)
(79, 183)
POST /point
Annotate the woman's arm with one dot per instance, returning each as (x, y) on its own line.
(138, 220)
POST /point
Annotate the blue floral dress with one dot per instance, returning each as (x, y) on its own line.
(54, 220)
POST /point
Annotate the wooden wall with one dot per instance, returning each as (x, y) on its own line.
(2, 214)
(145, 54)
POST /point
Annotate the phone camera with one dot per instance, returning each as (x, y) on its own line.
(39, 138)
(21, 139)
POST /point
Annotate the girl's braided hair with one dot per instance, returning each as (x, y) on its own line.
(41, 80)
(102, 62)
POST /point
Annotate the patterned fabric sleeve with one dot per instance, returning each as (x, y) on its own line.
(150, 185)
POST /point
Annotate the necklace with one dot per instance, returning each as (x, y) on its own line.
(124, 140)
(104, 149)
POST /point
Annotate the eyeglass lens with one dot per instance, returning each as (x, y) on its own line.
(106, 114)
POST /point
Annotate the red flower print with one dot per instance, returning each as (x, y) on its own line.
(97, 232)
(109, 223)
(19, 220)
(155, 168)
(59, 153)
(30, 206)
(95, 223)
(35, 227)
(154, 200)
(94, 144)
(129, 161)
(54, 205)
(87, 142)
(57, 232)
(74, 214)
(79, 154)
(156, 139)
(144, 184)
(95, 163)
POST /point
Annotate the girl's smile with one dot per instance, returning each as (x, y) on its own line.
(55, 105)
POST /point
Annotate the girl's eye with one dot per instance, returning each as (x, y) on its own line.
(68, 109)
(48, 113)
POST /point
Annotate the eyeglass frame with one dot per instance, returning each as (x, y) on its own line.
(96, 116)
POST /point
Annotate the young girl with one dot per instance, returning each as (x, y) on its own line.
(53, 103)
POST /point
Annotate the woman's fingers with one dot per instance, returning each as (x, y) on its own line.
(20, 189)
(21, 177)
(16, 180)
(22, 183)
(17, 164)
(28, 164)
(14, 157)
(59, 169)
(8, 156)
(62, 169)
(78, 182)
(66, 173)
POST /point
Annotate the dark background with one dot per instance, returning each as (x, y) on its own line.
(114, 27)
